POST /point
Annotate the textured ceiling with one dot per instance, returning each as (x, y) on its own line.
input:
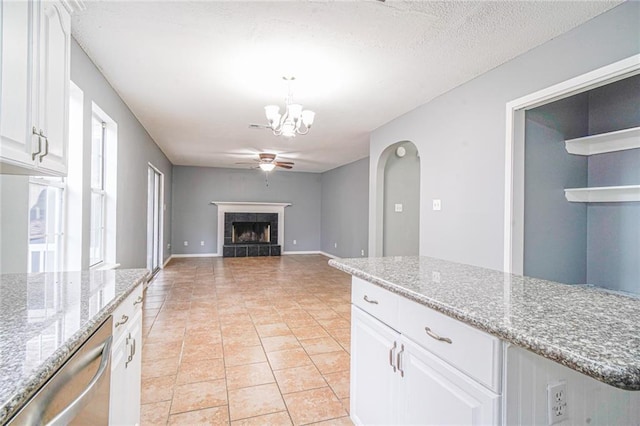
(196, 73)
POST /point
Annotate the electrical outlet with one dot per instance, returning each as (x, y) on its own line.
(295, 242)
(437, 205)
(186, 243)
(557, 402)
(335, 245)
(398, 208)
(202, 243)
(168, 246)
(362, 252)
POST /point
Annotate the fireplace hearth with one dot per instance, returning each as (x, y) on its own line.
(250, 234)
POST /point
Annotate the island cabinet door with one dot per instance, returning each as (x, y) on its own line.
(435, 393)
(374, 380)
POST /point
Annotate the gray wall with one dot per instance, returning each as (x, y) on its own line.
(14, 223)
(194, 219)
(345, 199)
(401, 230)
(135, 150)
(461, 138)
(613, 244)
(555, 231)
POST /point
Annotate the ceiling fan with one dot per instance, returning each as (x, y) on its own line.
(267, 162)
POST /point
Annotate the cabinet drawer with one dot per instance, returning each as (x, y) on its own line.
(124, 314)
(380, 303)
(472, 351)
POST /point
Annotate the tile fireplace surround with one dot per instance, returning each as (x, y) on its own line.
(229, 212)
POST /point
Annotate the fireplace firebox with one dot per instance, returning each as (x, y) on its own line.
(250, 234)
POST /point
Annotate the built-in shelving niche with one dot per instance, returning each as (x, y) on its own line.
(619, 140)
(582, 188)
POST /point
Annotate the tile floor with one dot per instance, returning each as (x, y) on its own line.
(247, 341)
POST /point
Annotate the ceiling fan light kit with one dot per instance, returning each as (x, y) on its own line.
(294, 121)
(267, 167)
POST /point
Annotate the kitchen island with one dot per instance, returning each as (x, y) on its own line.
(587, 329)
(45, 318)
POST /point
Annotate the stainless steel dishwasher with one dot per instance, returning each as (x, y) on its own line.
(78, 394)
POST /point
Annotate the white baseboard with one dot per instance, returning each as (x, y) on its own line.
(195, 255)
(300, 252)
(328, 255)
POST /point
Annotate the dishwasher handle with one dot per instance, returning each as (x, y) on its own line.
(72, 410)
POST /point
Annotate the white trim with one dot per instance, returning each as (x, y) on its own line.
(164, 265)
(250, 207)
(176, 256)
(514, 214)
(287, 253)
(331, 256)
(105, 266)
(247, 203)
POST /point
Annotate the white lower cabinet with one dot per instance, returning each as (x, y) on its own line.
(397, 381)
(126, 362)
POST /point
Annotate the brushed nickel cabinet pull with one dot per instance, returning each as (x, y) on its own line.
(139, 300)
(46, 146)
(373, 302)
(35, 154)
(437, 337)
(398, 359)
(391, 353)
(122, 321)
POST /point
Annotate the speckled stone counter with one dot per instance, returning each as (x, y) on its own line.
(45, 317)
(585, 328)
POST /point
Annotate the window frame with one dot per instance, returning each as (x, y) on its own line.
(95, 261)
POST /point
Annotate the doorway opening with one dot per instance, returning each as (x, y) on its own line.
(155, 203)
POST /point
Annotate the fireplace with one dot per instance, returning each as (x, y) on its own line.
(250, 234)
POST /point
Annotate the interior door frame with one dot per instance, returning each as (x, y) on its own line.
(160, 217)
(514, 147)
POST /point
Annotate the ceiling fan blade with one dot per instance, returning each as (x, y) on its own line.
(268, 157)
(258, 126)
(252, 163)
(284, 166)
(290, 163)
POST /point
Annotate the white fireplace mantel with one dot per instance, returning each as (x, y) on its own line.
(249, 207)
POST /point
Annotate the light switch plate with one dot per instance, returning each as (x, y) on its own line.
(398, 208)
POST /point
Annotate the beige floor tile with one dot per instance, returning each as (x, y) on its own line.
(243, 376)
(194, 352)
(288, 359)
(334, 323)
(309, 332)
(270, 330)
(331, 362)
(160, 367)
(200, 371)
(155, 389)
(207, 416)
(320, 345)
(155, 413)
(313, 406)
(342, 421)
(153, 351)
(299, 378)
(255, 401)
(195, 396)
(244, 355)
(339, 382)
(280, 343)
(346, 404)
(276, 419)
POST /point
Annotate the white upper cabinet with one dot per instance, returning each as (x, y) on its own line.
(34, 94)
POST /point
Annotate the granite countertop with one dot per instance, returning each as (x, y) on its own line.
(45, 317)
(588, 329)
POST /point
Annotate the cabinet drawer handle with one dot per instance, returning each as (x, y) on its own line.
(122, 321)
(46, 146)
(435, 336)
(373, 302)
(139, 300)
(35, 154)
(398, 360)
(391, 355)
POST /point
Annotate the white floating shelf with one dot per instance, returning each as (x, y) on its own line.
(605, 194)
(619, 140)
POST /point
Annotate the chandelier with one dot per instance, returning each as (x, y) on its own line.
(294, 121)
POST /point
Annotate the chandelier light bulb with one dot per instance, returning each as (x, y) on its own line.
(294, 121)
